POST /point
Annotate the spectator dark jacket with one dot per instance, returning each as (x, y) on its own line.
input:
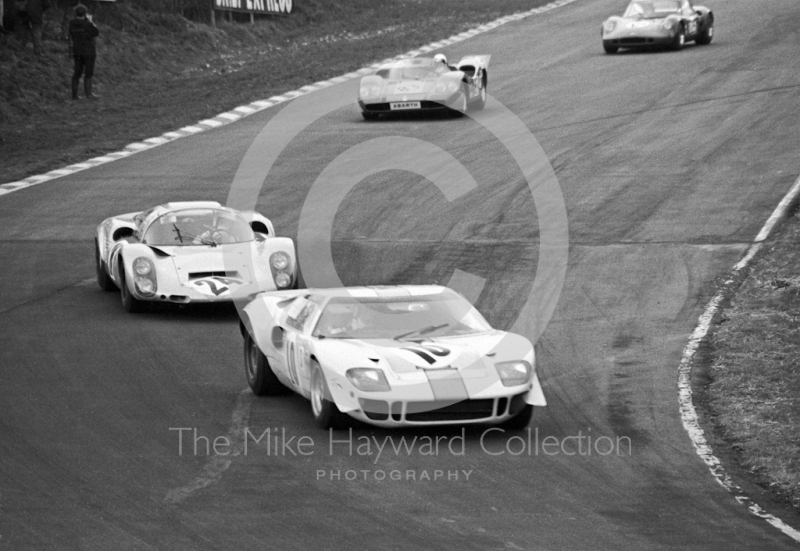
(35, 10)
(81, 34)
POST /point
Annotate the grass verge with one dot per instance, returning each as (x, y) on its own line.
(157, 72)
(753, 400)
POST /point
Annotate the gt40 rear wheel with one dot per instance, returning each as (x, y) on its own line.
(260, 377)
(326, 414)
(103, 280)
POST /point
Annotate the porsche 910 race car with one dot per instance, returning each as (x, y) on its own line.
(196, 251)
(425, 84)
(652, 23)
(389, 356)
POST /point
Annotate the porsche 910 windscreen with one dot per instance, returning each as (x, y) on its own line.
(652, 10)
(198, 227)
(445, 314)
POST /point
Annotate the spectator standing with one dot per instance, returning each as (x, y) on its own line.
(29, 22)
(82, 32)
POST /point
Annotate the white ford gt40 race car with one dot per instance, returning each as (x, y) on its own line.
(196, 251)
(389, 356)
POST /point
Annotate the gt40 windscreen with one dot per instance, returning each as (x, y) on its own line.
(399, 318)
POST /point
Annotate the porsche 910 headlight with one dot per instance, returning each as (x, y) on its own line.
(283, 280)
(142, 266)
(609, 26)
(145, 276)
(452, 87)
(279, 260)
(146, 286)
(667, 24)
(368, 379)
(514, 373)
(281, 266)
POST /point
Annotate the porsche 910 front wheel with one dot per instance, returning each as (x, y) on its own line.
(130, 303)
(326, 414)
(103, 280)
(260, 376)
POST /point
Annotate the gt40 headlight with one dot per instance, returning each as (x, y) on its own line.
(368, 379)
(609, 26)
(514, 373)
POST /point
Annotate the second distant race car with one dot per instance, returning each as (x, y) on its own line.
(654, 23)
(425, 84)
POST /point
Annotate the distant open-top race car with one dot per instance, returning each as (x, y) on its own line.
(196, 251)
(652, 23)
(390, 356)
(425, 84)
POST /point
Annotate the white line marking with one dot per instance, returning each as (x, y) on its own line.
(688, 413)
(218, 464)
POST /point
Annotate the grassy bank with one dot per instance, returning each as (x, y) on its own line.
(159, 71)
(754, 397)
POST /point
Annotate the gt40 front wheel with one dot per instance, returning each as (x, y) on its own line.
(326, 414)
(520, 420)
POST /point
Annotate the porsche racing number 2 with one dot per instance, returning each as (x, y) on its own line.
(214, 285)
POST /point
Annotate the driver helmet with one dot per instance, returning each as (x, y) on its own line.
(441, 58)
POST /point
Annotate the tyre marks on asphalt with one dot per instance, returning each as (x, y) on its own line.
(218, 463)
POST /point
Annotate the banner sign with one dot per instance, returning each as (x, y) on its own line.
(270, 7)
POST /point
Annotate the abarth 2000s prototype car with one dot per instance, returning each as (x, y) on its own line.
(389, 356)
(425, 84)
(653, 23)
(196, 251)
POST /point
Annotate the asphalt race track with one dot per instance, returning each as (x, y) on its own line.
(669, 164)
